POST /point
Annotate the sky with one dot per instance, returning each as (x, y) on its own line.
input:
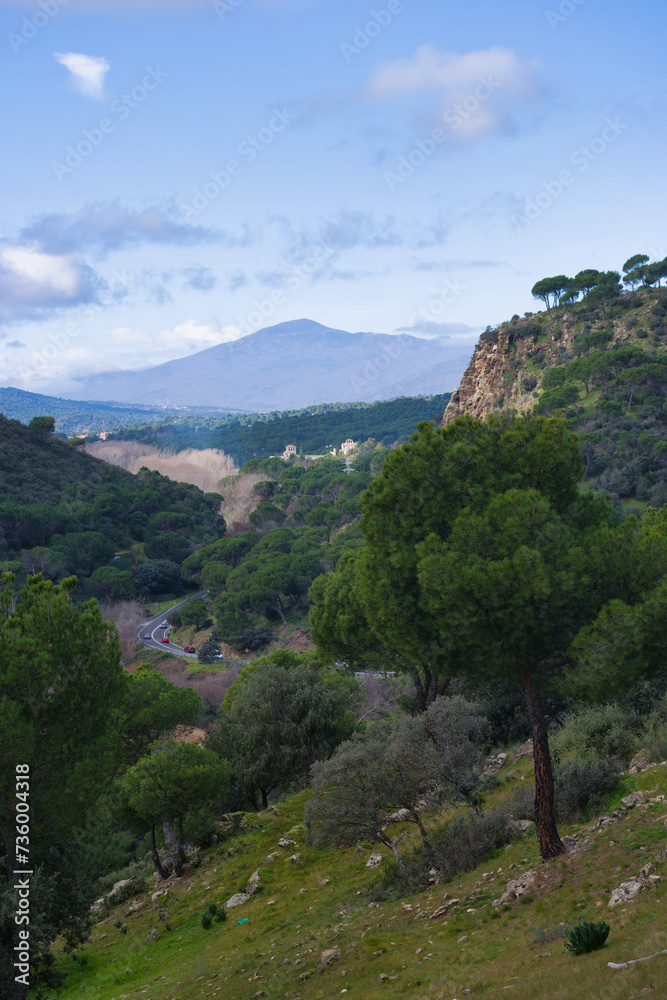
(180, 173)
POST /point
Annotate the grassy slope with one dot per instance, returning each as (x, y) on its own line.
(281, 943)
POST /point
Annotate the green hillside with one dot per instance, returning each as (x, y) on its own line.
(64, 512)
(75, 417)
(315, 932)
(313, 430)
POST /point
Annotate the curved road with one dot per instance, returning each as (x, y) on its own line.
(153, 628)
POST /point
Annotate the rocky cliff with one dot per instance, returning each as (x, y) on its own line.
(509, 362)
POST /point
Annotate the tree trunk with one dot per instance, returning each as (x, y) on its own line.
(383, 838)
(550, 843)
(181, 842)
(278, 608)
(265, 798)
(172, 846)
(159, 867)
(428, 853)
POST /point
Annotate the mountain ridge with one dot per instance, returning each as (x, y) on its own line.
(293, 364)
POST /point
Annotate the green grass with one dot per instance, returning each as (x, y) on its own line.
(282, 942)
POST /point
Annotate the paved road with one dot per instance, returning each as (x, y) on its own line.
(153, 628)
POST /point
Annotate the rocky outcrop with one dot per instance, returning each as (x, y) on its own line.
(506, 368)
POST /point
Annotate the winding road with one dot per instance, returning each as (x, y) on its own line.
(153, 628)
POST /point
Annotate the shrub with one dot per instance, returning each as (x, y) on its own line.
(255, 638)
(529, 383)
(545, 935)
(458, 846)
(211, 912)
(582, 785)
(133, 888)
(601, 730)
(585, 937)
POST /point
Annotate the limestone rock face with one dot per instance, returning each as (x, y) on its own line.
(625, 892)
(516, 889)
(238, 899)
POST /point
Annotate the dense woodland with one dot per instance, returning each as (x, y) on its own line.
(313, 431)
(63, 512)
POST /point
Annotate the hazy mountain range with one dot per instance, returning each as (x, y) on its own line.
(291, 365)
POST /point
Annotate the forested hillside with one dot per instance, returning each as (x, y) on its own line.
(76, 417)
(313, 431)
(64, 512)
(601, 362)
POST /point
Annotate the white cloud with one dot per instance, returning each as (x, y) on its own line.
(32, 281)
(472, 95)
(135, 347)
(430, 69)
(88, 71)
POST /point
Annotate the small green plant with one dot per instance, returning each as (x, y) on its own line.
(585, 937)
(81, 960)
(545, 935)
(211, 912)
(121, 926)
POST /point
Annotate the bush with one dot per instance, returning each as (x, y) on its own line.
(581, 786)
(604, 731)
(255, 638)
(211, 912)
(458, 846)
(585, 937)
(134, 887)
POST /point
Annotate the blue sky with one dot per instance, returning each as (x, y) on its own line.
(177, 174)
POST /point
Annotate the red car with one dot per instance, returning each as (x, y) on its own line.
(189, 649)
(165, 638)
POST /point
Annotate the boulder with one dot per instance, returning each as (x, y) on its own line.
(374, 861)
(525, 750)
(238, 899)
(254, 885)
(286, 842)
(329, 956)
(625, 892)
(295, 859)
(641, 761)
(495, 763)
(516, 889)
(444, 910)
(162, 897)
(400, 816)
(634, 799)
(153, 935)
(521, 825)
(135, 905)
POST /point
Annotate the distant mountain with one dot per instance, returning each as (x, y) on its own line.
(291, 365)
(75, 417)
